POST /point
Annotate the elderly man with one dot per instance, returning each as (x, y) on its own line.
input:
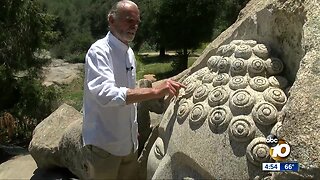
(110, 124)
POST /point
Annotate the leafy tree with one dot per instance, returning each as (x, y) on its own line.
(181, 25)
(185, 24)
(97, 14)
(23, 29)
(73, 22)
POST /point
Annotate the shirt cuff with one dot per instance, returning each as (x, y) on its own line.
(122, 96)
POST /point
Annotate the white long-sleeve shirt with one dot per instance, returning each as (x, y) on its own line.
(108, 122)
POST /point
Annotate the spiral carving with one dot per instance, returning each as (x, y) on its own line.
(213, 61)
(241, 102)
(278, 81)
(223, 65)
(275, 96)
(250, 42)
(264, 113)
(237, 42)
(188, 80)
(238, 67)
(238, 82)
(219, 117)
(191, 87)
(243, 51)
(220, 79)
(207, 78)
(201, 72)
(183, 110)
(200, 93)
(256, 66)
(198, 114)
(259, 83)
(261, 51)
(242, 128)
(258, 151)
(274, 66)
(226, 50)
(218, 96)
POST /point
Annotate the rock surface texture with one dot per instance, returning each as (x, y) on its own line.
(230, 106)
(61, 73)
(57, 141)
(259, 77)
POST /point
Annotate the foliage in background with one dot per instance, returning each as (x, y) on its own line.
(80, 22)
(184, 25)
(24, 101)
(69, 30)
(161, 67)
(166, 24)
(72, 94)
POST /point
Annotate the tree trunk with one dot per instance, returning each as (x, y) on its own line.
(162, 51)
(184, 62)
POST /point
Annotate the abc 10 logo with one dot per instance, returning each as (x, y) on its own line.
(279, 148)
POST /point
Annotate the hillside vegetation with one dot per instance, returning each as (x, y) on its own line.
(68, 27)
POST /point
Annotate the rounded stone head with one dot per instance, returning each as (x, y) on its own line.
(217, 127)
(123, 19)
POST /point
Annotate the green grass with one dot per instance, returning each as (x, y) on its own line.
(161, 67)
(72, 94)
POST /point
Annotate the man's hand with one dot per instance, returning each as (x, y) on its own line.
(169, 87)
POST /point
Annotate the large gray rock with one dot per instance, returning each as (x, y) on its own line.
(24, 167)
(143, 114)
(57, 141)
(61, 73)
(223, 116)
(222, 135)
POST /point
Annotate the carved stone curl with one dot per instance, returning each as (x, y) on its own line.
(238, 67)
(207, 78)
(198, 114)
(189, 80)
(243, 51)
(275, 96)
(261, 51)
(184, 109)
(238, 82)
(224, 65)
(242, 128)
(200, 93)
(201, 72)
(213, 61)
(259, 83)
(191, 87)
(218, 96)
(274, 66)
(258, 151)
(226, 50)
(264, 113)
(278, 81)
(221, 79)
(219, 118)
(241, 102)
(250, 42)
(237, 42)
(256, 67)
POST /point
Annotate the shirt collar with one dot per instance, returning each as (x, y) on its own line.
(116, 42)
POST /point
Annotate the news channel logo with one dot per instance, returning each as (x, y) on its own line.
(279, 148)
